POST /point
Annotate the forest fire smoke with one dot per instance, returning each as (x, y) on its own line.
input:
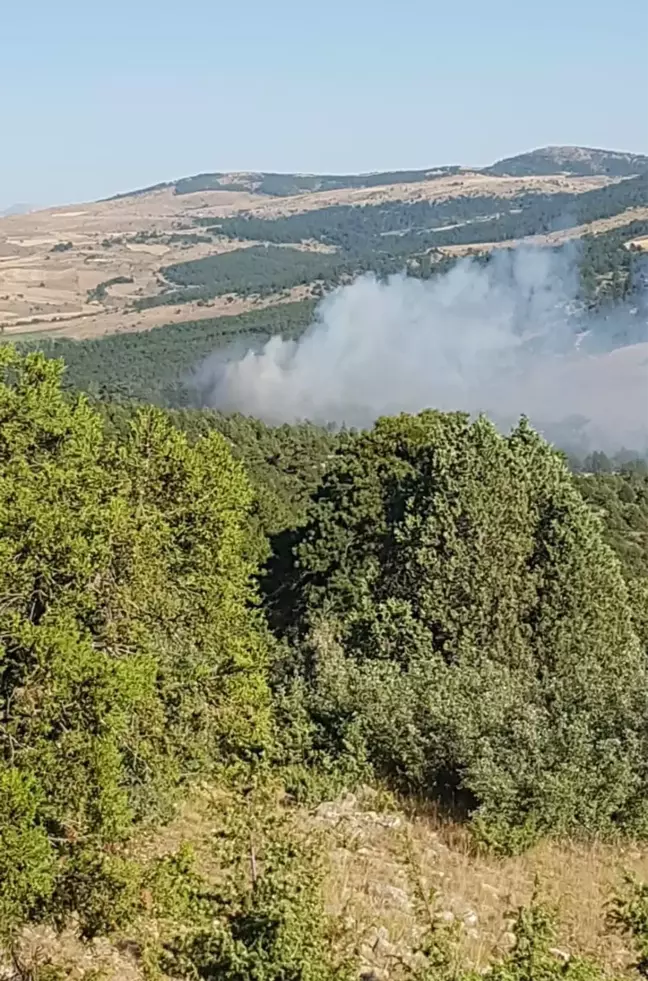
(494, 338)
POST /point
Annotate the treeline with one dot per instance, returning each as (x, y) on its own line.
(100, 291)
(264, 270)
(190, 597)
(356, 228)
(258, 270)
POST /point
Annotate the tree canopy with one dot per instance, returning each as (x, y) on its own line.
(459, 612)
(130, 655)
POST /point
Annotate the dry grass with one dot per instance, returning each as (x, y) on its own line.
(556, 238)
(379, 856)
(466, 184)
(100, 321)
(377, 861)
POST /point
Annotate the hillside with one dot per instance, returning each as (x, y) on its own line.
(156, 257)
(382, 853)
(578, 161)
(286, 185)
(571, 160)
(300, 701)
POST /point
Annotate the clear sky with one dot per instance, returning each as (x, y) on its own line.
(101, 96)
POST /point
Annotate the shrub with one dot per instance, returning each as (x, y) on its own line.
(26, 856)
(265, 919)
(629, 914)
(534, 958)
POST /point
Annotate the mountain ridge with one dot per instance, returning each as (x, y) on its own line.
(575, 160)
(542, 161)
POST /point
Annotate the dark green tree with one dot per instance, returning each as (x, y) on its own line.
(459, 613)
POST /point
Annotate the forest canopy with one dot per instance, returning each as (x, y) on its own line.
(430, 606)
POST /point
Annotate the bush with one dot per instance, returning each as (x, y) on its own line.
(629, 914)
(26, 856)
(458, 614)
(534, 958)
(265, 919)
(103, 889)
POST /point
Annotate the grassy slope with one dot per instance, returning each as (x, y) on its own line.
(376, 853)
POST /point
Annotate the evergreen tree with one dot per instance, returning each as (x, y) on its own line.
(130, 659)
(478, 637)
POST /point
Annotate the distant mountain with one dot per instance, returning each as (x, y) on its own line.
(577, 160)
(16, 209)
(286, 185)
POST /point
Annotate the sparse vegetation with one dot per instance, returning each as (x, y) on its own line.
(286, 185)
(101, 290)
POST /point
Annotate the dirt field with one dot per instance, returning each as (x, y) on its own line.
(52, 260)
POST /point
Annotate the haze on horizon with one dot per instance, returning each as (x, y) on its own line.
(108, 98)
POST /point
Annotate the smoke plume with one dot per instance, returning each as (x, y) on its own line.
(498, 338)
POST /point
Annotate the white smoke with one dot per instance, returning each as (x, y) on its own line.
(492, 338)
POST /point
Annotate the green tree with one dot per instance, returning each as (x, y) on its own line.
(131, 658)
(458, 612)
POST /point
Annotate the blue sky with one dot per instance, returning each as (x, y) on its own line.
(98, 97)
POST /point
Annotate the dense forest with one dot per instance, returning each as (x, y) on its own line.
(157, 366)
(188, 598)
(267, 269)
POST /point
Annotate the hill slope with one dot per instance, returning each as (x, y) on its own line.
(578, 160)
(198, 248)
